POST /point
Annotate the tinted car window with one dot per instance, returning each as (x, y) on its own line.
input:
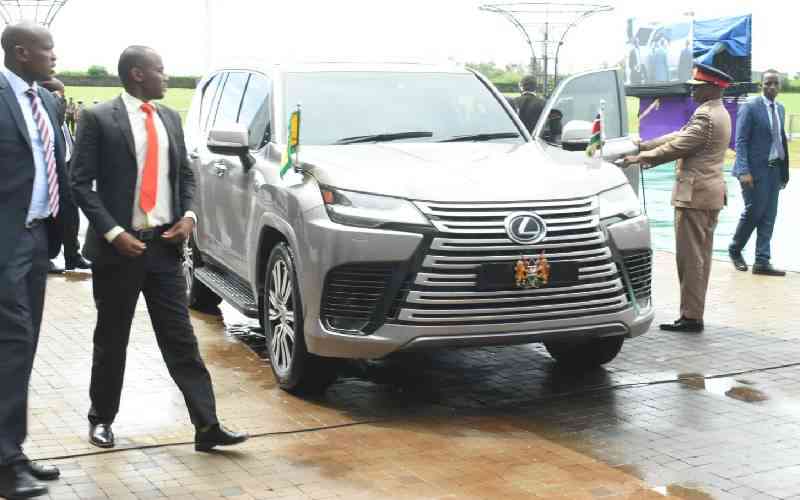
(231, 100)
(580, 99)
(338, 105)
(209, 98)
(255, 112)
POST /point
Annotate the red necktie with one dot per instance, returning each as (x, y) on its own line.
(147, 195)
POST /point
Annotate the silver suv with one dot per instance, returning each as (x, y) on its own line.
(418, 214)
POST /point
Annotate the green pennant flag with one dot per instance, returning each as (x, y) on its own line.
(292, 142)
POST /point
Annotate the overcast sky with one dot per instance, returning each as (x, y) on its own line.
(95, 31)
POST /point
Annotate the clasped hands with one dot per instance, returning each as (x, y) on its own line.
(130, 246)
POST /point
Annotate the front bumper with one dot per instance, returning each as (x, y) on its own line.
(388, 332)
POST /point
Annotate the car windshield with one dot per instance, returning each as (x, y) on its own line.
(364, 107)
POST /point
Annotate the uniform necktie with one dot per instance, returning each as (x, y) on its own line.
(149, 189)
(776, 132)
(49, 152)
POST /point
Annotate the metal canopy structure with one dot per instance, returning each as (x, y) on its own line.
(546, 25)
(41, 11)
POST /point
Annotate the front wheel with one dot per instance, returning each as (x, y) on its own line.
(586, 355)
(296, 370)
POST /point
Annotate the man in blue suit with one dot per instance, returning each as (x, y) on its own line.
(762, 167)
(33, 186)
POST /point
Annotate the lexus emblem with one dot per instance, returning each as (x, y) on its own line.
(525, 228)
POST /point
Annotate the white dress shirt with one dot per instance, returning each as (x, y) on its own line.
(40, 199)
(162, 211)
(773, 153)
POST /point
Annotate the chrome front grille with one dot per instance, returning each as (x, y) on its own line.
(444, 290)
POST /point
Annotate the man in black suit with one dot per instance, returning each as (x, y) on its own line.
(529, 106)
(140, 216)
(69, 211)
(33, 184)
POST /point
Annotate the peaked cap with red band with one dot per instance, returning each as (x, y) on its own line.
(708, 75)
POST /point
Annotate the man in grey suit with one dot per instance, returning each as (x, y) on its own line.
(762, 167)
(33, 185)
(140, 215)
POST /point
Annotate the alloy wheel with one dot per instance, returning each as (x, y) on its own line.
(281, 317)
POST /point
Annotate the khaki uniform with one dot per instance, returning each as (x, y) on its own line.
(698, 195)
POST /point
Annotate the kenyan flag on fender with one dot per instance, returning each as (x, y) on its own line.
(596, 141)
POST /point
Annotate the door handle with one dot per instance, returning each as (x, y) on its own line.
(220, 169)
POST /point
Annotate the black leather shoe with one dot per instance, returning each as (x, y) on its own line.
(736, 258)
(43, 472)
(77, 262)
(17, 482)
(683, 325)
(217, 435)
(101, 435)
(767, 270)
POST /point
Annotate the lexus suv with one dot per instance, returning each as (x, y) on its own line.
(417, 212)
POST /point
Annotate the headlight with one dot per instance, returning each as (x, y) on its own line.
(369, 210)
(619, 202)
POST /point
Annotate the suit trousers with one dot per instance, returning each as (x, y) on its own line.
(157, 274)
(71, 223)
(694, 244)
(760, 211)
(22, 286)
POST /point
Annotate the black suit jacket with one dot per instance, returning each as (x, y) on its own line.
(17, 171)
(105, 153)
(529, 107)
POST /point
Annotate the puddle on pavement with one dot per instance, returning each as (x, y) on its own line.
(724, 387)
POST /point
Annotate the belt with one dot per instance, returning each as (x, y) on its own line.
(34, 223)
(151, 233)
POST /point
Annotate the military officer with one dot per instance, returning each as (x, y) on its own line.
(699, 191)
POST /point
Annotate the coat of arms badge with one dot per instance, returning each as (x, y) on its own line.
(532, 272)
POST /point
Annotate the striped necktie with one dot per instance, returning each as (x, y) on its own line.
(49, 151)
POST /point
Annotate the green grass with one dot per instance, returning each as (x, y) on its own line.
(177, 99)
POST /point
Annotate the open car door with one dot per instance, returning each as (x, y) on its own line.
(567, 118)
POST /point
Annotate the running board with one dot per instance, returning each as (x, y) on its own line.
(231, 288)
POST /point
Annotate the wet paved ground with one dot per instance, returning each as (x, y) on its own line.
(695, 416)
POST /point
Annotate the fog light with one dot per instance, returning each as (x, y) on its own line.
(347, 325)
(643, 303)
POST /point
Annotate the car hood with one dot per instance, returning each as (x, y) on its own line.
(458, 172)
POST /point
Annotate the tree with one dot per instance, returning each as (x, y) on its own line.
(97, 71)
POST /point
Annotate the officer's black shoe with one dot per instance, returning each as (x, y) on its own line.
(767, 270)
(16, 481)
(738, 260)
(683, 325)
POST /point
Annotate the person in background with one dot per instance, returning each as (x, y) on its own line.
(33, 187)
(762, 167)
(69, 211)
(528, 105)
(699, 191)
(70, 115)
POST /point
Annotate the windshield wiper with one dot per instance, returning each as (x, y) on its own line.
(383, 137)
(482, 137)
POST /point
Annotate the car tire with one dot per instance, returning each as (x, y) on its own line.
(198, 295)
(586, 355)
(296, 370)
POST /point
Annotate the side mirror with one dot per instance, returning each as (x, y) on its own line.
(230, 140)
(576, 134)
